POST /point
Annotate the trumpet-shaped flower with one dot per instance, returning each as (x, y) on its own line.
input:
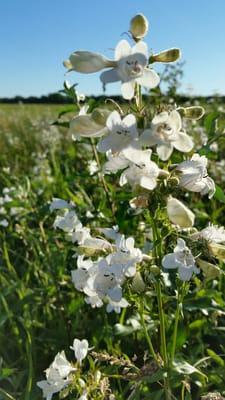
(141, 170)
(57, 376)
(166, 133)
(182, 259)
(68, 222)
(89, 125)
(121, 133)
(129, 67)
(193, 176)
(80, 348)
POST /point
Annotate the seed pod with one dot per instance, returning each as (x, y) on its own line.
(99, 115)
(179, 214)
(195, 112)
(139, 27)
(166, 56)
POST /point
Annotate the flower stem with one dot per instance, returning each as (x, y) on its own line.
(148, 339)
(177, 315)
(102, 178)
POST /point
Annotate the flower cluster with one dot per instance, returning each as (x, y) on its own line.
(100, 279)
(60, 373)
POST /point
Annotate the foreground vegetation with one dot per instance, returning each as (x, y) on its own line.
(165, 339)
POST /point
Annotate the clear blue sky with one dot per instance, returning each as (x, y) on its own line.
(37, 35)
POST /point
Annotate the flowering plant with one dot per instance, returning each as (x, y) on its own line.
(152, 161)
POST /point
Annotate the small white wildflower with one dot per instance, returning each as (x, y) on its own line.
(80, 348)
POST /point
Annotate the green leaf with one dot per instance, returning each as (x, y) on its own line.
(184, 368)
(219, 194)
(210, 123)
(215, 357)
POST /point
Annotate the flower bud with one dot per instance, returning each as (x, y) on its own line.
(210, 271)
(166, 56)
(139, 26)
(138, 284)
(179, 214)
(155, 270)
(217, 250)
(100, 115)
(195, 112)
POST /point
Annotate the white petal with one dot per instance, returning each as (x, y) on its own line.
(129, 121)
(88, 62)
(169, 261)
(113, 120)
(127, 89)
(164, 151)
(148, 138)
(147, 183)
(185, 273)
(123, 49)
(175, 120)
(150, 79)
(140, 47)
(123, 179)
(109, 76)
(183, 142)
(115, 294)
(160, 118)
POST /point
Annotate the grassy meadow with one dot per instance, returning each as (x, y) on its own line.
(40, 311)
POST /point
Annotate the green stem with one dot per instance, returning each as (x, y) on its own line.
(150, 345)
(162, 323)
(177, 315)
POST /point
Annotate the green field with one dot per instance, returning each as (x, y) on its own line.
(40, 311)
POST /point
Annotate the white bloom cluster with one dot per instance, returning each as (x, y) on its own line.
(100, 280)
(59, 373)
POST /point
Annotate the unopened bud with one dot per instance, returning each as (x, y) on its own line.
(139, 26)
(174, 181)
(166, 56)
(179, 214)
(138, 284)
(195, 112)
(217, 250)
(210, 270)
(67, 64)
(155, 270)
(99, 115)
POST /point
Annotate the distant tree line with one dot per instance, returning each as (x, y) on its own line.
(58, 98)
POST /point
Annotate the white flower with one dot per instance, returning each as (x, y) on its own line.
(61, 364)
(89, 125)
(166, 133)
(4, 223)
(57, 376)
(81, 274)
(116, 306)
(126, 255)
(80, 348)
(121, 133)
(105, 282)
(58, 204)
(179, 214)
(182, 259)
(131, 68)
(92, 167)
(141, 170)
(211, 233)
(193, 175)
(68, 222)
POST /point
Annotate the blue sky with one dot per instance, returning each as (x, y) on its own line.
(37, 35)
